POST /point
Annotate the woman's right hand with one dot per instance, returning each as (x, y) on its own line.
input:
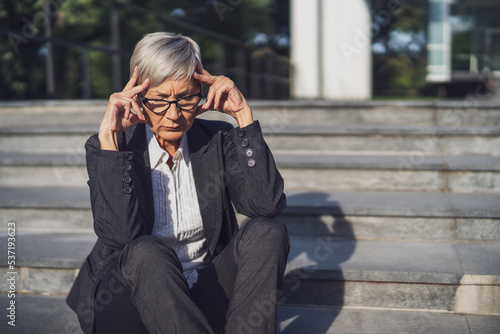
(119, 115)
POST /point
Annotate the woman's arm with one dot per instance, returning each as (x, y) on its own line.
(114, 202)
(115, 206)
(254, 183)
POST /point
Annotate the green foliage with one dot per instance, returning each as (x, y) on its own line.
(87, 23)
(399, 68)
(20, 66)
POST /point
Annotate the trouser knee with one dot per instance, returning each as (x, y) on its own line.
(266, 234)
(147, 251)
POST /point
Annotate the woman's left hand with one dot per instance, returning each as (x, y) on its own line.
(224, 96)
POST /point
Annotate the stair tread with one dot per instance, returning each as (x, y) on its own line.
(45, 197)
(396, 162)
(50, 314)
(396, 261)
(357, 203)
(327, 320)
(321, 258)
(436, 131)
(295, 130)
(404, 204)
(298, 160)
(50, 249)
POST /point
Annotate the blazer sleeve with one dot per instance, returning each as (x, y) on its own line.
(115, 207)
(255, 186)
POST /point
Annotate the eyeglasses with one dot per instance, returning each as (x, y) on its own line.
(158, 107)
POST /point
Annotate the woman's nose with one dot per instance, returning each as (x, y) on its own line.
(173, 113)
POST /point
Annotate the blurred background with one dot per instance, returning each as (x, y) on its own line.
(383, 117)
(273, 49)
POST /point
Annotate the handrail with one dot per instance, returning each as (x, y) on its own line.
(184, 25)
(194, 28)
(254, 68)
(106, 49)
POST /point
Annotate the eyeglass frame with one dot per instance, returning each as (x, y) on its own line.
(144, 101)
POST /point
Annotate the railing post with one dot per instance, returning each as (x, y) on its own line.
(256, 75)
(221, 58)
(49, 61)
(270, 71)
(241, 70)
(116, 60)
(86, 90)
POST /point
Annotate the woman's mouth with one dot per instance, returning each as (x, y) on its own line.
(173, 128)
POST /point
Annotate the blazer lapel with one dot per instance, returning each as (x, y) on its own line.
(204, 155)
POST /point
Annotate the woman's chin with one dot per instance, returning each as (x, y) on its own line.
(170, 136)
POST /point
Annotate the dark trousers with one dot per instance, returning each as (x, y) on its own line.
(145, 290)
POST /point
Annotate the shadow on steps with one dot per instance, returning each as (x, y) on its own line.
(307, 282)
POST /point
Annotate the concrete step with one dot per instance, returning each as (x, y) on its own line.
(393, 215)
(342, 215)
(422, 113)
(454, 277)
(395, 204)
(328, 320)
(282, 113)
(49, 314)
(440, 276)
(40, 314)
(465, 174)
(412, 140)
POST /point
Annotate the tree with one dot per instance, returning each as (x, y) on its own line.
(398, 43)
(87, 23)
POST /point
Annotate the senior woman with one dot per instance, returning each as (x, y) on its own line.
(170, 257)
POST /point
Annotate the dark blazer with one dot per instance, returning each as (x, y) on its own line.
(230, 165)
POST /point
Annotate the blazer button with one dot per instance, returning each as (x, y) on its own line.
(249, 153)
(129, 157)
(127, 179)
(244, 143)
(251, 163)
(127, 167)
(241, 133)
(127, 190)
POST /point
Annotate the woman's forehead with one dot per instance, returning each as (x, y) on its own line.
(176, 86)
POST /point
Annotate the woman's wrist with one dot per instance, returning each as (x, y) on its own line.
(244, 117)
(108, 140)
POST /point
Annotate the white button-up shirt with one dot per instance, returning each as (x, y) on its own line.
(177, 213)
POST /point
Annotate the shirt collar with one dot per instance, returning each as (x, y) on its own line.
(158, 155)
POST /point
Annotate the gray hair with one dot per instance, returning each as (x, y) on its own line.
(162, 55)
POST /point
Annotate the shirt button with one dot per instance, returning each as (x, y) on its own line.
(127, 179)
(244, 143)
(249, 153)
(129, 157)
(127, 190)
(241, 133)
(127, 167)
(251, 163)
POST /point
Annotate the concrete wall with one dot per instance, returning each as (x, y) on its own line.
(331, 53)
(439, 42)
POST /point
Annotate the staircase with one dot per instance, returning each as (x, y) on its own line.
(393, 213)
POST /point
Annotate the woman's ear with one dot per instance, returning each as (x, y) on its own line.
(199, 68)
